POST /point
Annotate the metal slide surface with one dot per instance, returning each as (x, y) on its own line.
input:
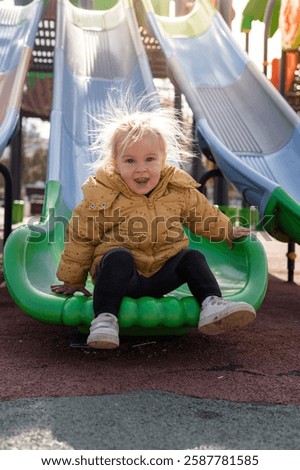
(252, 132)
(18, 27)
(97, 51)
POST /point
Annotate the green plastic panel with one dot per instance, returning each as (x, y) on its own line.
(282, 214)
(161, 7)
(193, 24)
(98, 4)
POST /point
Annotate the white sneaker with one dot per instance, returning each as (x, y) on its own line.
(104, 332)
(219, 315)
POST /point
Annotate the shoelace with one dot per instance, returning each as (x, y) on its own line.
(217, 301)
(107, 321)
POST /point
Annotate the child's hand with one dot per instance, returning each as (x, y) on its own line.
(239, 232)
(66, 289)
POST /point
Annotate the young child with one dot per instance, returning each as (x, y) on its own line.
(128, 229)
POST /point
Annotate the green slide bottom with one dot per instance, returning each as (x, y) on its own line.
(282, 214)
(32, 254)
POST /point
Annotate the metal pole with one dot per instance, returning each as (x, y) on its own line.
(247, 42)
(16, 159)
(291, 256)
(7, 200)
(282, 72)
(225, 8)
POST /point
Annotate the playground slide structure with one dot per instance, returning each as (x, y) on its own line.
(253, 134)
(18, 27)
(96, 53)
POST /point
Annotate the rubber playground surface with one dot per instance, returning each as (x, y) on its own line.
(236, 391)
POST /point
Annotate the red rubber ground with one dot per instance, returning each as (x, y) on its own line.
(260, 363)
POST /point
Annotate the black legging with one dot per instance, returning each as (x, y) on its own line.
(117, 276)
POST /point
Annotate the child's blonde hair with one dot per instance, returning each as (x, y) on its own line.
(126, 119)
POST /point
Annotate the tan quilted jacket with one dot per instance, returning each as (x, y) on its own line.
(110, 216)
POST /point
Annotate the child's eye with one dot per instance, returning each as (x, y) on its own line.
(150, 158)
(129, 160)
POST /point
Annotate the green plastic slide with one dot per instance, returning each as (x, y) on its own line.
(33, 251)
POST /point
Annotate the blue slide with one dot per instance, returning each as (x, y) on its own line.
(253, 134)
(18, 28)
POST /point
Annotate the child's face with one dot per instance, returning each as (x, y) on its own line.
(140, 163)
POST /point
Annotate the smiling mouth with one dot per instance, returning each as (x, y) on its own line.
(141, 180)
